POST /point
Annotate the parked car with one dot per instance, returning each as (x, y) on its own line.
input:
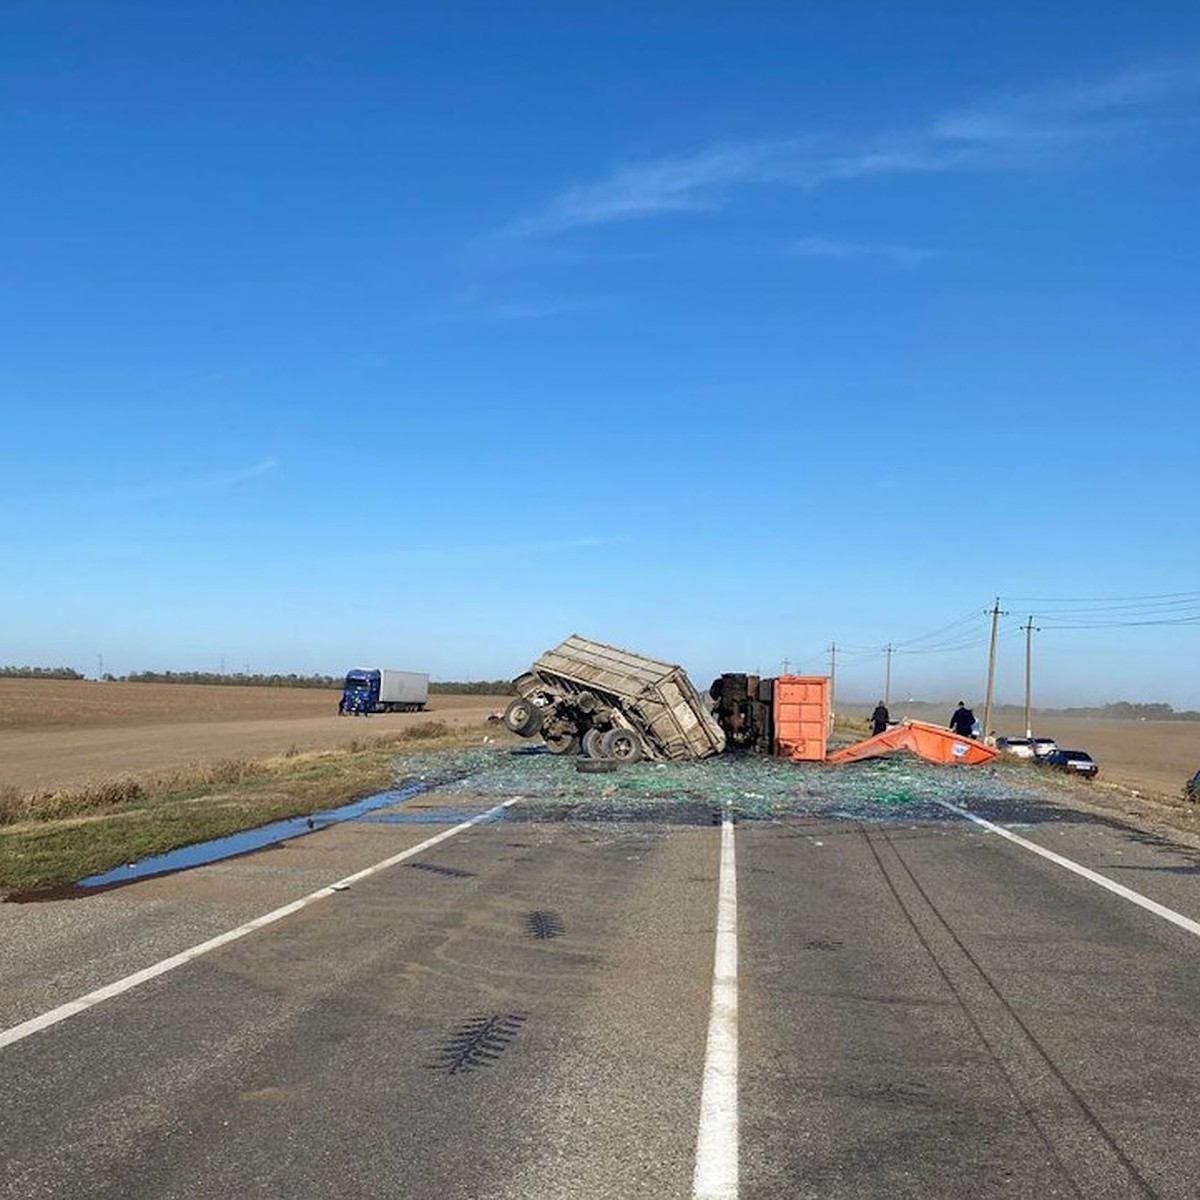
(1191, 789)
(1079, 762)
(1026, 747)
(1019, 747)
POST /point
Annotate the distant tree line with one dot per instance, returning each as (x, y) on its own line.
(476, 687)
(496, 687)
(236, 679)
(1125, 711)
(1122, 710)
(39, 673)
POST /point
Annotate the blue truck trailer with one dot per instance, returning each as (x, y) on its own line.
(375, 690)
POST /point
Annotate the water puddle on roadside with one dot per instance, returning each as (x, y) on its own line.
(249, 840)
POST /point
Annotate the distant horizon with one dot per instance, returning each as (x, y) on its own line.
(1008, 708)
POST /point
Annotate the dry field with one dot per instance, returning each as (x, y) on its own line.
(63, 733)
(1153, 757)
(84, 704)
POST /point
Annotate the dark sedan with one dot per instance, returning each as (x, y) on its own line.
(1079, 762)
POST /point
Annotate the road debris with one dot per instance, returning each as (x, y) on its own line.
(752, 786)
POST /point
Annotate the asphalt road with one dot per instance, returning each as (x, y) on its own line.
(924, 1009)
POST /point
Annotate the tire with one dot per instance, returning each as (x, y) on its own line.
(586, 702)
(522, 718)
(622, 745)
(562, 743)
(592, 746)
(596, 766)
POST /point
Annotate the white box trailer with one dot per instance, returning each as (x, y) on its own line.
(402, 691)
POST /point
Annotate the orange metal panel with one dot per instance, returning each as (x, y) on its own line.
(801, 717)
(931, 742)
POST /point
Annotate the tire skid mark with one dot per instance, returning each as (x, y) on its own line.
(1090, 1158)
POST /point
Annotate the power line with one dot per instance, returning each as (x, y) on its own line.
(1049, 624)
(1104, 599)
(966, 619)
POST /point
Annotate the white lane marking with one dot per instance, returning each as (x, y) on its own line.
(716, 1173)
(1118, 889)
(73, 1007)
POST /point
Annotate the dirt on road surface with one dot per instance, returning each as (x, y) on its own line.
(56, 734)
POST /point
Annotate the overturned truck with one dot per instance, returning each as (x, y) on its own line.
(612, 704)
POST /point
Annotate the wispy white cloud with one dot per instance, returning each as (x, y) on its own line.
(686, 183)
(505, 550)
(162, 489)
(475, 552)
(840, 250)
(1020, 131)
(216, 481)
(481, 304)
(1071, 113)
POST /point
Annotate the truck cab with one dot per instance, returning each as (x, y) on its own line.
(360, 695)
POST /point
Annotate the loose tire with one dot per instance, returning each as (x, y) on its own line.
(592, 743)
(622, 745)
(522, 717)
(596, 766)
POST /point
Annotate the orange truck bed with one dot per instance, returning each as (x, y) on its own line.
(930, 742)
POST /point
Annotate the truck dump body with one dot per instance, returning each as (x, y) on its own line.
(583, 686)
(930, 742)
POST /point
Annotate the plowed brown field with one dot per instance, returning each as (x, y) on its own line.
(60, 733)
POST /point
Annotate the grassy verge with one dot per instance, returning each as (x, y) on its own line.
(48, 839)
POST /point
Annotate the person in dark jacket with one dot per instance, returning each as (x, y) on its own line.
(963, 720)
(879, 718)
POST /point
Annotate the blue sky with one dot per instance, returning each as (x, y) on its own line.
(373, 333)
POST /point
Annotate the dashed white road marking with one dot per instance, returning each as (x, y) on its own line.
(1118, 889)
(73, 1007)
(716, 1172)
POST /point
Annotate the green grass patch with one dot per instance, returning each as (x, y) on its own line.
(48, 839)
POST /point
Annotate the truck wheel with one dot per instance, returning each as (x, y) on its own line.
(586, 702)
(622, 745)
(592, 743)
(561, 743)
(522, 718)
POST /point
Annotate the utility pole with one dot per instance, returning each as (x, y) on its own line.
(1030, 630)
(99, 666)
(787, 662)
(991, 683)
(832, 681)
(889, 649)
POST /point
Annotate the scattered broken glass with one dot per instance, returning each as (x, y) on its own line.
(751, 786)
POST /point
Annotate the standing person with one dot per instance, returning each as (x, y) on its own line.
(879, 718)
(963, 720)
